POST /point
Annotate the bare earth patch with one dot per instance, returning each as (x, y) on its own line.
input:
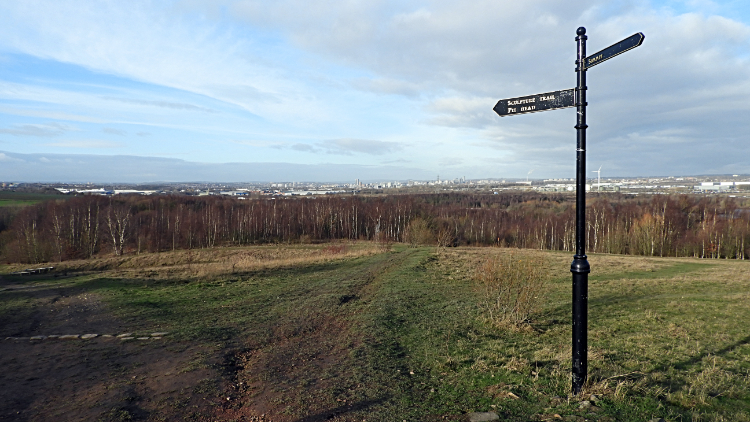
(102, 378)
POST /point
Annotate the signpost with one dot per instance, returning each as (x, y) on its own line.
(580, 267)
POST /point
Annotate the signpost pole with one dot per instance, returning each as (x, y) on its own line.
(580, 266)
(564, 99)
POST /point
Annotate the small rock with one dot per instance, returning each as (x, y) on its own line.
(88, 336)
(584, 404)
(38, 337)
(124, 335)
(107, 335)
(657, 420)
(144, 338)
(557, 400)
(155, 338)
(512, 396)
(483, 416)
(594, 398)
(53, 336)
(126, 338)
(158, 334)
(68, 337)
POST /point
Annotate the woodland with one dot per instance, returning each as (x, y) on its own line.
(88, 226)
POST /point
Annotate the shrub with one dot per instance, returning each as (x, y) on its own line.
(418, 232)
(511, 288)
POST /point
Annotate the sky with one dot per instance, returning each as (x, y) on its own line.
(291, 90)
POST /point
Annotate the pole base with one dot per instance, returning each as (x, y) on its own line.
(580, 269)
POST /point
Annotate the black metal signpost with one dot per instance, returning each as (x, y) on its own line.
(562, 99)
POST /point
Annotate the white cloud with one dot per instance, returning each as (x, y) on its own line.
(38, 130)
(147, 41)
(261, 143)
(165, 104)
(5, 157)
(93, 143)
(362, 146)
(47, 114)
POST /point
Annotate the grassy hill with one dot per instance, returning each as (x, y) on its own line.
(352, 332)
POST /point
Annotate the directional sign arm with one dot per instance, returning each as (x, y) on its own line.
(534, 103)
(614, 50)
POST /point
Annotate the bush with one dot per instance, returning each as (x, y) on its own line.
(418, 233)
(511, 288)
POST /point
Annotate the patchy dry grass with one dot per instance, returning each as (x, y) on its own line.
(358, 331)
(217, 262)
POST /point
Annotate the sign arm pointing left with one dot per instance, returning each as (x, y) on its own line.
(534, 103)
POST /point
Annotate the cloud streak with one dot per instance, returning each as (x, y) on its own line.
(164, 104)
(38, 130)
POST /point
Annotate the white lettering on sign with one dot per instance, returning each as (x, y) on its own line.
(511, 110)
(547, 98)
(529, 108)
(594, 59)
(523, 101)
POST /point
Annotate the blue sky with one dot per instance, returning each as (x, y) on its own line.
(296, 90)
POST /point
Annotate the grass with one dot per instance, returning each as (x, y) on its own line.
(356, 333)
(23, 199)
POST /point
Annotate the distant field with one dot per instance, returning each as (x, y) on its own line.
(10, 198)
(352, 332)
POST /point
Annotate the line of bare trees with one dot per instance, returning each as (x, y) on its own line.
(84, 227)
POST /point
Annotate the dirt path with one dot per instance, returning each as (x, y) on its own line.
(300, 370)
(102, 378)
(304, 373)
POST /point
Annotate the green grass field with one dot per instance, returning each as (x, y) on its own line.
(23, 199)
(400, 335)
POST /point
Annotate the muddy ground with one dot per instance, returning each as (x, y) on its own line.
(103, 378)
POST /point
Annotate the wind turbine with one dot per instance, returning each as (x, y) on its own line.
(599, 178)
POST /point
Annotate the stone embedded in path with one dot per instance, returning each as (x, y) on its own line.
(123, 336)
(483, 416)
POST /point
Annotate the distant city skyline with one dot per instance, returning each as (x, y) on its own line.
(248, 90)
